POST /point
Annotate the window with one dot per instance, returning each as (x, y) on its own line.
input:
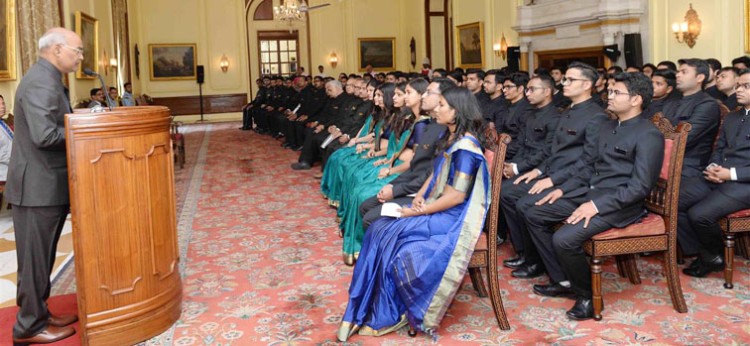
(278, 53)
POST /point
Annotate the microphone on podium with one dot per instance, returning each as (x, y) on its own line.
(89, 72)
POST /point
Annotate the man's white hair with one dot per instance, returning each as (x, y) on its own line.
(335, 84)
(51, 38)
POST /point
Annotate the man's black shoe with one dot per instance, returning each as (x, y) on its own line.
(299, 148)
(582, 310)
(300, 166)
(528, 271)
(286, 145)
(515, 262)
(500, 240)
(705, 267)
(554, 290)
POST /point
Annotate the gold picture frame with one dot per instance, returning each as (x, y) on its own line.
(87, 27)
(380, 52)
(747, 26)
(171, 61)
(470, 45)
(7, 40)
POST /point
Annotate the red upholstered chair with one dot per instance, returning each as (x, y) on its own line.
(485, 252)
(655, 233)
(178, 143)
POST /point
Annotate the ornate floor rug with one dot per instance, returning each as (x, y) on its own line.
(261, 265)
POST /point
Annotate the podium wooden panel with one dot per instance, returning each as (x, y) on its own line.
(121, 177)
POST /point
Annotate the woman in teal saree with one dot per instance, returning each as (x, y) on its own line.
(330, 183)
(411, 267)
(371, 178)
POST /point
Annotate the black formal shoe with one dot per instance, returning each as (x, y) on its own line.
(300, 166)
(500, 240)
(582, 310)
(528, 271)
(695, 264)
(243, 128)
(515, 263)
(299, 148)
(47, 336)
(705, 267)
(286, 145)
(554, 290)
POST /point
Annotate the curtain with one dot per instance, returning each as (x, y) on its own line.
(35, 17)
(122, 46)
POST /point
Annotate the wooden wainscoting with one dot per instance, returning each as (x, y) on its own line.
(190, 105)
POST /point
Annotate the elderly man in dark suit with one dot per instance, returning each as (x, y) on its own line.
(37, 184)
(725, 187)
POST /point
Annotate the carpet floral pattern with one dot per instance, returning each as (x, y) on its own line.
(262, 265)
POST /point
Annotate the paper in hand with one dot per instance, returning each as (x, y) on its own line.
(391, 209)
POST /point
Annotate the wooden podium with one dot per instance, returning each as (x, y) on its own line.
(121, 176)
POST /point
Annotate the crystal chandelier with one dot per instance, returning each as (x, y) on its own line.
(289, 11)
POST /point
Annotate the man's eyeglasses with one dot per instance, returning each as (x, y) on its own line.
(745, 86)
(531, 89)
(430, 92)
(616, 92)
(568, 80)
(508, 87)
(78, 51)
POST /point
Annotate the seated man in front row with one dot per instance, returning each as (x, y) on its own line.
(608, 193)
(726, 187)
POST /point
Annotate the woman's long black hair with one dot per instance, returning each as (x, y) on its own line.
(468, 117)
(406, 117)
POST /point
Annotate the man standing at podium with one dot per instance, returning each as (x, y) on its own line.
(37, 185)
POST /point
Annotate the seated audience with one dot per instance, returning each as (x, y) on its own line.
(664, 83)
(404, 260)
(608, 192)
(127, 96)
(723, 188)
(97, 98)
(726, 81)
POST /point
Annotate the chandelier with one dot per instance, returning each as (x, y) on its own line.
(289, 11)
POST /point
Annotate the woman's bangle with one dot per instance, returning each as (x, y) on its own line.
(387, 172)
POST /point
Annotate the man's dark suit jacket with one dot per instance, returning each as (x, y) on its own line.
(702, 112)
(421, 164)
(536, 137)
(627, 164)
(38, 170)
(733, 150)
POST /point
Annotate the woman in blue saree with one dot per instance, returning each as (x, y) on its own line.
(371, 178)
(410, 267)
(330, 183)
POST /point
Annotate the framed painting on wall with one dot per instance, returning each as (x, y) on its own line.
(7, 40)
(378, 52)
(172, 61)
(470, 44)
(87, 27)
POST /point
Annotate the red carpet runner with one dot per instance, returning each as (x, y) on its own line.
(263, 267)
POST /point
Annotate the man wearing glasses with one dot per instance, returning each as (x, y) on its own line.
(724, 187)
(607, 192)
(514, 88)
(37, 184)
(495, 110)
(576, 138)
(536, 137)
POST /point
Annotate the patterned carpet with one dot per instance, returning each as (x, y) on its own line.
(261, 265)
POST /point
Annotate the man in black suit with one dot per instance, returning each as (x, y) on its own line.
(37, 184)
(536, 137)
(702, 112)
(514, 89)
(260, 99)
(726, 80)
(574, 146)
(408, 183)
(495, 109)
(665, 84)
(725, 187)
(607, 193)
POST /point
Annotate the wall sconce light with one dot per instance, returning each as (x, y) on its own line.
(687, 32)
(334, 60)
(113, 63)
(501, 49)
(224, 63)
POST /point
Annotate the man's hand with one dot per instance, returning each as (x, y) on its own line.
(508, 170)
(319, 128)
(717, 174)
(385, 194)
(541, 185)
(584, 212)
(343, 139)
(527, 177)
(302, 118)
(551, 197)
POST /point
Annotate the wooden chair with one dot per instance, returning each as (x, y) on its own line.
(178, 143)
(485, 252)
(655, 233)
(732, 225)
